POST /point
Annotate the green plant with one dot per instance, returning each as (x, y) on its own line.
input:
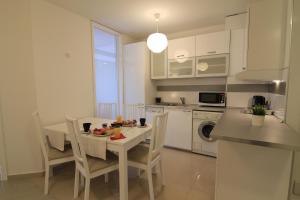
(259, 110)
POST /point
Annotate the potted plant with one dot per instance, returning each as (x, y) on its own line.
(258, 116)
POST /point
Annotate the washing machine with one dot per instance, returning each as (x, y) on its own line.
(203, 124)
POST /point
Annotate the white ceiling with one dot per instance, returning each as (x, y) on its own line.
(135, 17)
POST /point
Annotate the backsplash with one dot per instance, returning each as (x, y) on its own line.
(238, 95)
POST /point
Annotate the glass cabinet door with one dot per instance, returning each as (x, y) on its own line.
(181, 68)
(215, 65)
(159, 65)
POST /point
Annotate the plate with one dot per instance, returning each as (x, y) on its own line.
(104, 135)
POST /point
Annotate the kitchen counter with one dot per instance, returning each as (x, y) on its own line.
(236, 126)
(189, 107)
(254, 162)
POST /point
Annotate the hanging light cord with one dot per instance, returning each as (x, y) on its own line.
(157, 15)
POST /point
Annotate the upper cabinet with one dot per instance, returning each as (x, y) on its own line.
(181, 48)
(236, 24)
(212, 43)
(159, 65)
(269, 29)
(267, 25)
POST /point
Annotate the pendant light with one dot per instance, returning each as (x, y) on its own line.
(157, 42)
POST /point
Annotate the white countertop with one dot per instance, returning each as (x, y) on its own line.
(236, 127)
(190, 107)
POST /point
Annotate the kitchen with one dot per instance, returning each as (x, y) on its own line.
(207, 78)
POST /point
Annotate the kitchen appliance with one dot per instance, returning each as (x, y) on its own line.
(217, 99)
(203, 124)
(258, 100)
(179, 128)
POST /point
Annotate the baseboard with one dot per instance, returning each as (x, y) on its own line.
(26, 175)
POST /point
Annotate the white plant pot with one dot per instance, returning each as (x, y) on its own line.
(258, 120)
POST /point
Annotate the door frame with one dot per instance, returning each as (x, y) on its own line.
(3, 163)
(119, 75)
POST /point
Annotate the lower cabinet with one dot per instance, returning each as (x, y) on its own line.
(179, 128)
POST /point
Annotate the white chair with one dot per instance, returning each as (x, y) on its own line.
(145, 158)
(52, 156)
(89, 167)
(134, 111)
(107, 110)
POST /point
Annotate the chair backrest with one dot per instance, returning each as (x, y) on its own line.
(78, 149)
(42, 137)
(107, 110)
(159, 125)
(134, 111)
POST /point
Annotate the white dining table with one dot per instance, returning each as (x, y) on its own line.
(134, 136)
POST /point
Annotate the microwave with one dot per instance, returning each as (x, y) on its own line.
(216, 99)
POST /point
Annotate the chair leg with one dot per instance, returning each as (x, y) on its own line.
(150, 183)
(81, 180)
(87, 189)
(162, 172)
(76, 184)
(106, 178)
(46, 189)
(139, 172)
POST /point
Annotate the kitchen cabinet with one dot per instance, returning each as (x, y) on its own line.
(267, 19)
(212, 66)
(269, 30)
(212, 43)
(138, 87)
(181, 48)
(179, 128)
(181, 68)
(159, 65)
(237, 51)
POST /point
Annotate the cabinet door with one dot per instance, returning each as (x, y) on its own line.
(181, 68)
(181, 48)
(212, 66)
(179, 129)
(237, 51)
(212, 43)
(159, 65)
(267, 27)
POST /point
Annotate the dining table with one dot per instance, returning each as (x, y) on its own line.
(134, 136)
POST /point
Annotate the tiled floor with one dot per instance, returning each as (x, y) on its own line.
(188, 177)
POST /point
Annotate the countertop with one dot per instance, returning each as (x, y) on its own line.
(189, 107)
(236, 126)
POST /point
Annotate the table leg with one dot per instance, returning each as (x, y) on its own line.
(123, 174)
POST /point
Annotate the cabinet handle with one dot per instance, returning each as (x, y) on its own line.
(180, 56)
(211, 52)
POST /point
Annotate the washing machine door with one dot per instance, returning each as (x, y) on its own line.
(205, 129)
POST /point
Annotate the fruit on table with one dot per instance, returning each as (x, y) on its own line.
(119, 118)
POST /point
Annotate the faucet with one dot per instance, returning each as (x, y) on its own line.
(182, 99)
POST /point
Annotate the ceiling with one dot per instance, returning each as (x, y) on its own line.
(135, 17)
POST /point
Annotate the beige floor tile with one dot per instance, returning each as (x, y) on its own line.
(189, 176)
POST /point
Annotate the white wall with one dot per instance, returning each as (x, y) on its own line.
(46, 63)
(63, 62)
(18, 96)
